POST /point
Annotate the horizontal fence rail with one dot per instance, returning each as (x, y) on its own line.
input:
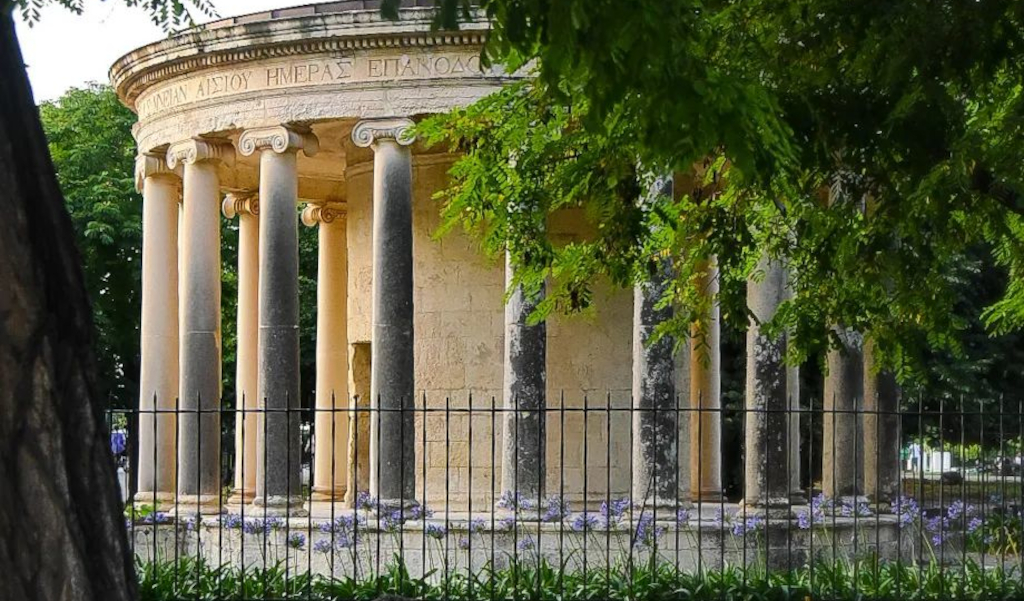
(586, 497)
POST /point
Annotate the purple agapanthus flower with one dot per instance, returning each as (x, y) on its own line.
(365, 500)
(232, 521)
(750, 524)
(613, 512)
(526, 543)
(682, 516)
(297, 540)
(464, 543)
(507, 524)
(585, 522)
(955, 510)
(436, 531)
(906, 509)
(556, 509)
(255, 526)
(477, 525)
(515, 502)
(118, 442)
(975, 524)
(322, 546)
(647, 531)
(803, 520)
(418, 512)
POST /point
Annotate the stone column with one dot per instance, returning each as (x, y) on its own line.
(525, 391)
(881, 432)
(766, 482)
(161, 189)
(199, 422)
(841, 448)
(706, 395)
(330, 472)
(278, 477)
(392, 444)
(246, 207)
(796, 492)
(655, 406)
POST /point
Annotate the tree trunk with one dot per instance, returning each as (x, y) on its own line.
(62, 533)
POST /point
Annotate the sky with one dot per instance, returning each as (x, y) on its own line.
(65, 50)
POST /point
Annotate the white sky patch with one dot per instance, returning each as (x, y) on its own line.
(64, 50)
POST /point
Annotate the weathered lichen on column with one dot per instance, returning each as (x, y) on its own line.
(881, 431)
(392, 443)
(525, 391)
(158, 375)
(766, 482)
(655, 412)
(841, 448)
(706, 393)
(331, 423)
(245, 206)
(278, 479)
(199, 310)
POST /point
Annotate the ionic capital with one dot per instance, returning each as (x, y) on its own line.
(371, 132)
(240, 203)
(195, 150)
(278, 138)
(150, 165)
(326, 212)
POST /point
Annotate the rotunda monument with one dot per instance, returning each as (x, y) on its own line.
(306, 112)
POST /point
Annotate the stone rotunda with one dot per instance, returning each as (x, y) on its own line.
(305, 114)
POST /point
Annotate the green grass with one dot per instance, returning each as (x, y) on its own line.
(866, 579)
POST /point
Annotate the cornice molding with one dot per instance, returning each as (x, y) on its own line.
(324, 34)
(278, 138)
(369, 132)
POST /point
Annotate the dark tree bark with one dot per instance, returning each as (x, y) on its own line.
(62, 533)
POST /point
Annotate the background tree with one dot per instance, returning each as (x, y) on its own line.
(90, 142)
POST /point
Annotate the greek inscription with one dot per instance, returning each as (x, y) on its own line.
(307, 73)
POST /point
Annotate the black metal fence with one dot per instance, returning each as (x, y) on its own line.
(945, 502)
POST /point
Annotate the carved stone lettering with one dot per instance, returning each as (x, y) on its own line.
(281, 73)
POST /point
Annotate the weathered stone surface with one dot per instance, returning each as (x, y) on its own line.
(766, 482)
(842, 445)
(392, 385)
(655, 412)
(525, 395)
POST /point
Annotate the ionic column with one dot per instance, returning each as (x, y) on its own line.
(525, 391)
(246, 207)
(392, 445)
(706, 395)
(331, 425)
(881, 431)
(278, 477)
(655, 413)
(199, 308)
(158, 376)
(766, 481)
(841, 448)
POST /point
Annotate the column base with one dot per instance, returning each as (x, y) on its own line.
(188, 505)
(242, 497)
(709, 496)
(280, 506)
(798, 497)
(773, 507)
(156, 499)
(327, 494)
